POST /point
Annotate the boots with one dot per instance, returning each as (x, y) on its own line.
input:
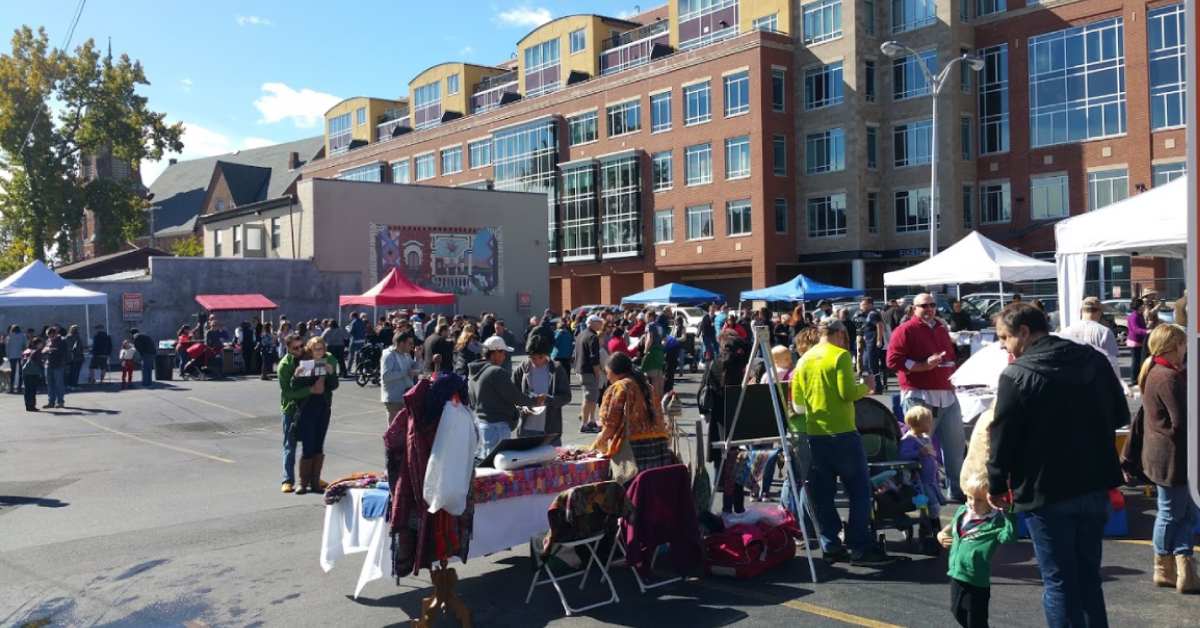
(306, 465)
(1187, 582)
(1164, 570)
(316, 485)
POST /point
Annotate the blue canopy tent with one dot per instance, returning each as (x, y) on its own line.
(800, 288)
(676, 293)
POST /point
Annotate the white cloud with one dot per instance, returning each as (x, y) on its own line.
(185, 84)
(625, 14)
(200, 141)
(252, 20)
(466, 51)
(528, 17)
(304, 107)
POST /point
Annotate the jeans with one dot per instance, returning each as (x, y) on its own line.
(14, 378)
(289, 447)
(490, 435)
(339, 352)
(841, 456)
(355, 345)
(55, 384)
(710, 348)
(30, 392)
(871, 361)
(147, 369)
(1175, 522)
(73, 369)
(948, 430)
(1136, 355)
(1067, 538)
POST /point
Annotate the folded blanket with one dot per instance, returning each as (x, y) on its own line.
(375, 503)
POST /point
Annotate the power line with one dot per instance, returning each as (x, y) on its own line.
(66, 44)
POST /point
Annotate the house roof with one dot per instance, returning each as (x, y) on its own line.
(247, 184)
(101, 265)
(179, 192)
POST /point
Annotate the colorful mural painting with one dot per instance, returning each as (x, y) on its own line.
(460, 260)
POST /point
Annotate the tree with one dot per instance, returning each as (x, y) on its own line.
(190, 246)
(96, 107)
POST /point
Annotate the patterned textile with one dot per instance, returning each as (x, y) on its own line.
(338, 489)
(585, 511)
(623, 404)
(652, 454)
(552, 477)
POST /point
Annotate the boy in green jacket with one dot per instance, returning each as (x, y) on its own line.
(973, 535)
(290, 396)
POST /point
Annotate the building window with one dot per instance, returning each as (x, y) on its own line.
(339, 133)
(737, 157)
(1106, 187)
(995, 203)
(988, 7)
(220, 204)
(911, 143)
(823, 86)
(825, 151)
(427, 105)
(1077, 83)
(778, 89)
(779, 155)
(1166, 173)
(579, 213)
(661, 175)
(699, 222)
(968, 196)
(664, 226)
(620, 207)
(578, 40)
(781, 215)
(275, 233)
(872, 147)
(698, 164)
(543, 56)
(869, 80)
(737, 217)
(371, 172)
(964, 136)
(624, 118)
(993, 101)
(696, 99)
(582, 128)
(360, 116)
(700, 16)
(525, 159)
(826, 216)
(1168, 66)
(908, 80)
(964, 72)
(869, 17)
(910, 15)
(769, 23)
(237, 239)
(452, 86)
(660, 112)
(1049, 197)
(425, 167)
(451, 160)
(400, 173)
(217, 239)
(737, 93)
(872, 212)
(912, 210)
(822, 21)
(479, 153)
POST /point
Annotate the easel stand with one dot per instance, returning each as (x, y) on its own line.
(444, 599)
(762, 350)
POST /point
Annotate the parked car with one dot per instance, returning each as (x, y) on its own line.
(1117, 311)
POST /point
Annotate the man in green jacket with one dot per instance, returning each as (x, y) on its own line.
(290, 396)
(824, 385)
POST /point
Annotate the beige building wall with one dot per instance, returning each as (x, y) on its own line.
(295, 233)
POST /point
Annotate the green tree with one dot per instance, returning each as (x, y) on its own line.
(96, 107)
(190, 246)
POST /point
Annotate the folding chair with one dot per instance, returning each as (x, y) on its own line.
(642, 585)
(655, 484)
(592, 545)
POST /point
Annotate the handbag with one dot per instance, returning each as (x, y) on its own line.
(1131, 453)
(623, 465)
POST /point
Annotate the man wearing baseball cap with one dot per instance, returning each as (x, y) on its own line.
(591, 371)
(494, 397)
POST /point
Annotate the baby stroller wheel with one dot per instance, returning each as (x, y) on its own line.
(361, 379)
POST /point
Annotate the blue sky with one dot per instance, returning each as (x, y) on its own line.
(246, 74)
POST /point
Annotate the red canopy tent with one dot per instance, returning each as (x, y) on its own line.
(395, 289)
(232, 302)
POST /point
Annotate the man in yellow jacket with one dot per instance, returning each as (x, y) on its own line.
(824, 384)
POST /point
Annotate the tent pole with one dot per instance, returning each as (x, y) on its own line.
(1002, 295)
(87, 320)
(958, 290)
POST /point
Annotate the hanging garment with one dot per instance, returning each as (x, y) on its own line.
(452, 460)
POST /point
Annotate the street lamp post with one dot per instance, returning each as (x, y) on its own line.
(895, 49)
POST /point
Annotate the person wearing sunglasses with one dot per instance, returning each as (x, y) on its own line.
(922, 355)
(291, 396)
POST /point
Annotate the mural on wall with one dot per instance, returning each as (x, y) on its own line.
(460, 260)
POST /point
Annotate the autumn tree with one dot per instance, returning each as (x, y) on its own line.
(55, 107)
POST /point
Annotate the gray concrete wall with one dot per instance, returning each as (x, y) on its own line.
(168, 294)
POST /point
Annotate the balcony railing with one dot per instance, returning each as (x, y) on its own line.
(384, 130)
(633, 53)
(641, 32)
(491, 98)
(495, 80)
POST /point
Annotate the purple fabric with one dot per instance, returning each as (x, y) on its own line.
(1136, 324)
(910, 449)
(663, 512)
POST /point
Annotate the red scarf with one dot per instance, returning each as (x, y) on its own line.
(1159, 360)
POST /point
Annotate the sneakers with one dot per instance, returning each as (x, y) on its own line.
(590, 428)
(286, 487)
(837, 554)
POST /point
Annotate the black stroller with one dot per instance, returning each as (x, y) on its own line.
(366, 364)
(896, 491)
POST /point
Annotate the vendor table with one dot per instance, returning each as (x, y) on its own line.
(510, 508)
(974, 402)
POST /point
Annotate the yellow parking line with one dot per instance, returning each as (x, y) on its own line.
(155, 443)
(812, 609)
(225, 408)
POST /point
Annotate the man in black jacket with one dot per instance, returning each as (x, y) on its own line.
(436, 344)
(1052, 444)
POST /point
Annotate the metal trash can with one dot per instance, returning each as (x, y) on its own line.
(164, 366)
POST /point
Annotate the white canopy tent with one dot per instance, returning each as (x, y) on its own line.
(1151, 223)
(36, 285)
(973, 259)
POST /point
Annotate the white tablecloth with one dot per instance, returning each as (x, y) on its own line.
(974, 402)
(499, 525)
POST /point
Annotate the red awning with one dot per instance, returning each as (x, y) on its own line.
(396, 289)
(227, 302)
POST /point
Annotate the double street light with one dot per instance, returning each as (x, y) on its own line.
(896, 49)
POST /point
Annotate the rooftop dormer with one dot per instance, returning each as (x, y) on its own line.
(445, 91)
(563, 51)
(354, 121)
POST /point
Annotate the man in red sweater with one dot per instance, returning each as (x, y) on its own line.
(922, 353)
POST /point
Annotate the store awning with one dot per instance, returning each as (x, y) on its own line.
(230, 302)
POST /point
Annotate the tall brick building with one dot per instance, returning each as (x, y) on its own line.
(730, 144)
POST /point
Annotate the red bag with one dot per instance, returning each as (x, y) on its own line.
(196, 350)
(747, 550)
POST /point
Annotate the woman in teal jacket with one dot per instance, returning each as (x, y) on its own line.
(315, 411)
